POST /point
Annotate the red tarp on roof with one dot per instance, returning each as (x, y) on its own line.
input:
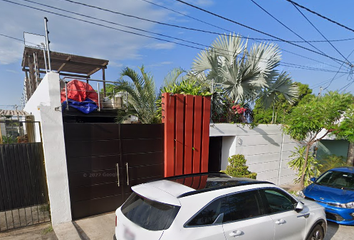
(79, 91)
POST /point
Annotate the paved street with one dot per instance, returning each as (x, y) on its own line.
(102, 227)
(339, 232)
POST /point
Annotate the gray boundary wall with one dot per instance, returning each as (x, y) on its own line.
(266, 148)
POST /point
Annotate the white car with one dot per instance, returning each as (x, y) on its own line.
(216, 206)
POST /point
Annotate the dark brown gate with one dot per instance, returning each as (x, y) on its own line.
(106, 159)
(23, 188)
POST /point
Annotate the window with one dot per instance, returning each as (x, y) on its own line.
(234, 207)
(208, 215)
(278, 201)
(241, 206)
(149, 214)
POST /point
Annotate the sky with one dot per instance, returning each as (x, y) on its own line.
(323, 65)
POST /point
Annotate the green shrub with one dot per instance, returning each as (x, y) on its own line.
(297, 164)
(238, 168)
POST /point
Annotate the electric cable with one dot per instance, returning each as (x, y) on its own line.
(280, 22)
(348, 62)
(252, 38)
(114, 23)
(101, 25)
(256, 30)
(328, 19)
(255, 39)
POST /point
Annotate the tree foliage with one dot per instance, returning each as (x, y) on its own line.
(281, 107)
(141, 95)
(312, 121)
(241, 74)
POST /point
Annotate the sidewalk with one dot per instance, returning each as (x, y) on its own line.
(42, 231)
(96, 227)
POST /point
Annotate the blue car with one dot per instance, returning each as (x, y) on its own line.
(334, 190)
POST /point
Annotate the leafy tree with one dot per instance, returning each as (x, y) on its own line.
(141, 95)
(243, 74)
(281, 107)
(110, 90)
(312, 121)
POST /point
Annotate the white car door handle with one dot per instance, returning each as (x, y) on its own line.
(280, 221)
(236, 233)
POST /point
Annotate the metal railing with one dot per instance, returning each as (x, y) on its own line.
(117, 101)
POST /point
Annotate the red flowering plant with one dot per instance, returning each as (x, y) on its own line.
(230, 112)
(241, 112)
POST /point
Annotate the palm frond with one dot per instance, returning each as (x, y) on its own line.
(141, 92)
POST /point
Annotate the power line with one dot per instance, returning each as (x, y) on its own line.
(345, 87)
(256, 30)
(255, 39)
(118, 24)
(101, 25)
(143, 19)
(137, 29)
(252, 38)
(326, 81)
(338, 71)
(18, 39)
(328, 19)
(286, 26)
(348, 62)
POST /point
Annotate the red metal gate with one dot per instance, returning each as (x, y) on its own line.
(186, 128)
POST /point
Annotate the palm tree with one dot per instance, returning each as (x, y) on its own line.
(141, 95)
(282, 85)
(241, 73)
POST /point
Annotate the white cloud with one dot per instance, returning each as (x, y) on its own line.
(166, 45)
(79, 38)
(160, 64)
(204, 2)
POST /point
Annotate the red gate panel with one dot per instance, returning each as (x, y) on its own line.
(186, 126)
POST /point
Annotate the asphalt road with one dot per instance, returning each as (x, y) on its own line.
(38, 232)
(339, 232)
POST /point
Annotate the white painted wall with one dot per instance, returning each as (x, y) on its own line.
(265, 148)
(45, 106)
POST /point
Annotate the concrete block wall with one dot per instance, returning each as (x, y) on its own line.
(266, 148)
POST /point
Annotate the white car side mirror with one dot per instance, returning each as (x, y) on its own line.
(299, 207)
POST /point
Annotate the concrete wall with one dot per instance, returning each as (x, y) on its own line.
(265, 147)
(45, 106)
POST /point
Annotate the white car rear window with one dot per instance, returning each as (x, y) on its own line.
(149, 214)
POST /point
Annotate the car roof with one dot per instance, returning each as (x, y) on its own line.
(344, 169)
(168, 190)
